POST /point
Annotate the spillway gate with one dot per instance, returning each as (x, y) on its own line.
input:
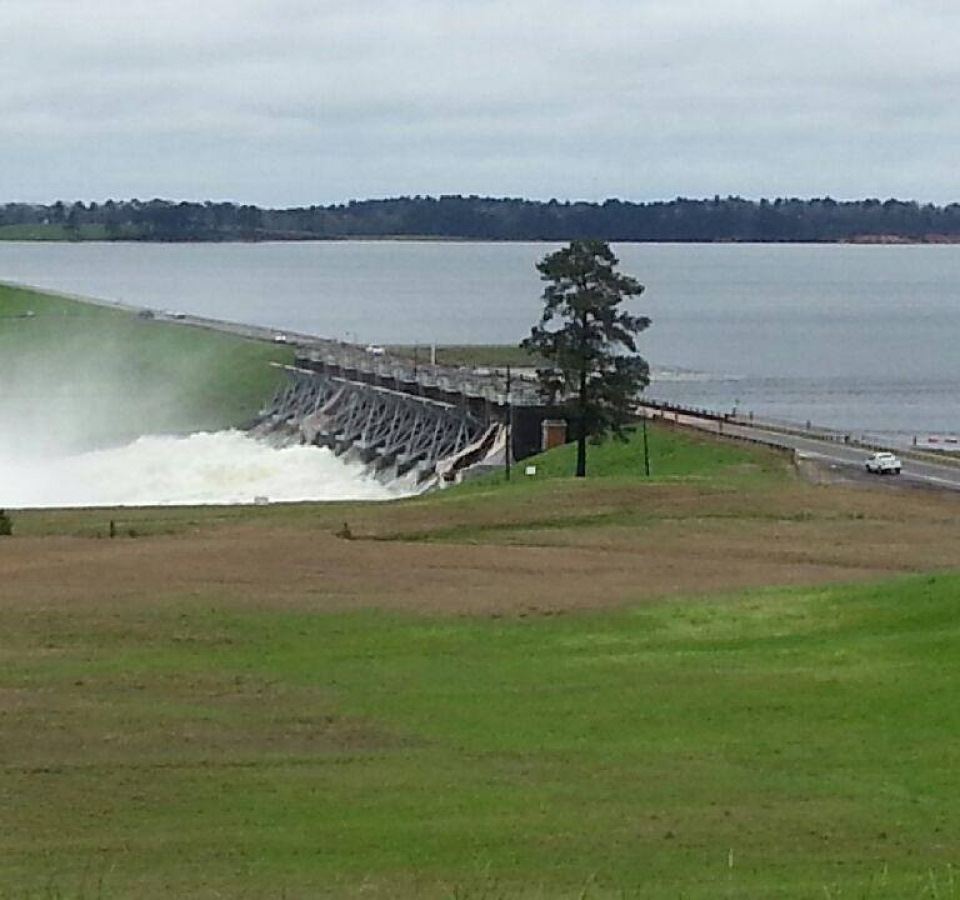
(430, 423)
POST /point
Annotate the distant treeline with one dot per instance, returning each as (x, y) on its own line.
(483, 218)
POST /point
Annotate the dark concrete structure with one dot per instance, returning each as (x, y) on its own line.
(401, 417)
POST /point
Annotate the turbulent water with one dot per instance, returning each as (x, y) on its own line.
(220, 468)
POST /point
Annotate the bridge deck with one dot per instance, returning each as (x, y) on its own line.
(479, 383)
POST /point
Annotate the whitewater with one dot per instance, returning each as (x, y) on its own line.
(226, 467)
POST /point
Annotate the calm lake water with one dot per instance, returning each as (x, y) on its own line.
(861, 338)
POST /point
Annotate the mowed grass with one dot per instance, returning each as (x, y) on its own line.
(311, 716)
(670, 452)
(107, 374)
(536, 689)
(773, 744)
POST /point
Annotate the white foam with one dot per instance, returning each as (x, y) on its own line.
(200, 469)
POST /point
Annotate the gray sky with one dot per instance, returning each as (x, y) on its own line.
(289, 102)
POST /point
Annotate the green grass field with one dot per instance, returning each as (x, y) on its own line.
(179, 717)
(672, 454)
(792, 743)
(113, 375)
(775, 744)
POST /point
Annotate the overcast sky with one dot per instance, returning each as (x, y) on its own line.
(292, 102)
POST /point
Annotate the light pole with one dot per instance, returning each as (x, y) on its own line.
(509, 442)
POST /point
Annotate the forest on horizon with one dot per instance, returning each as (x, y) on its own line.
(455, 217)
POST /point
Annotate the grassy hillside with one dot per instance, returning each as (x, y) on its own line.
(548, 688)
(672, 453)
(716, 682)
(99, 373)
(781, 743)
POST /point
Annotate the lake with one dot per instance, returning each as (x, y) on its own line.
(860, 338)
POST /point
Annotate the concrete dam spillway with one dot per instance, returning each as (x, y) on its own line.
(424, 424)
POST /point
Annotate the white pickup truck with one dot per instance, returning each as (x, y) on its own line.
(883, 464)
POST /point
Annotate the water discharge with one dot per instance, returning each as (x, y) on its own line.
(204, 468)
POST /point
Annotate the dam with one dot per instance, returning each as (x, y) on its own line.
(427, 422)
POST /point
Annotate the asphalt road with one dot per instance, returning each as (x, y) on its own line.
(847, 459)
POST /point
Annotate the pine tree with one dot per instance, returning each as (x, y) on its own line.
(595, 373)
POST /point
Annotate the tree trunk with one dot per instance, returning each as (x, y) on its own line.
(582, 428)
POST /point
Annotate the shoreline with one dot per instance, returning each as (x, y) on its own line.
(866, 240)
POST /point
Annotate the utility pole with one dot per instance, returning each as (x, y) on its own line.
(508, 447)
(646, 447)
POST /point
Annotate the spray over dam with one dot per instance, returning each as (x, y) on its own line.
(162, 408)
(201, 469)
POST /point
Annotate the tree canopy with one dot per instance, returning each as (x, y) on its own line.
(497, 218)
(594, 372)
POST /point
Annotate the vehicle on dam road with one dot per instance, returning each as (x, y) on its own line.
(883, 464)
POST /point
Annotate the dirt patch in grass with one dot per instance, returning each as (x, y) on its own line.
(553, 550)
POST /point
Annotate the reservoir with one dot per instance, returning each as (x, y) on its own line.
(860, 338)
